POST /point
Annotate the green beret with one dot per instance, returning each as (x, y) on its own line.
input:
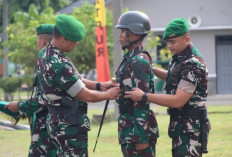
(70, 27)
(175, 28)
(45, 29)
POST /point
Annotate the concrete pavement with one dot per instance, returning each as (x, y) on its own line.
(219, 99)
(211, 100)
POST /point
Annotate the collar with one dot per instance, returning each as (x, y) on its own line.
(132, 53)
(55, 49)
(186, 53)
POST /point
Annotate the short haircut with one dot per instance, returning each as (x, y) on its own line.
(56, 33)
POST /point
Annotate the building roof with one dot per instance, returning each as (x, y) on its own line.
(77, 4)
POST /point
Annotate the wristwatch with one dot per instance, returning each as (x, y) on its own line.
(144, 97)
(98, 86)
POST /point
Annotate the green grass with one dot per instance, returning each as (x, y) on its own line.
(16, 143)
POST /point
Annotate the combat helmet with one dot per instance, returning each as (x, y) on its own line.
(136, 22)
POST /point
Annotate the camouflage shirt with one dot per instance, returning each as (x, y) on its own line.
(29, 107)
(35, 104)
(36, 111)
(187, 67)
(138, 125)
(58, 77)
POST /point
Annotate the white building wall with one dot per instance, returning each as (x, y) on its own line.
(212, 12)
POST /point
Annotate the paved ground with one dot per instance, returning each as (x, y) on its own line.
(211, 100)
(219, 100)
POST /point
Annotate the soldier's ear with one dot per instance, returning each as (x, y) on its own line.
(63, 39)
(188, 38)
(44, 42)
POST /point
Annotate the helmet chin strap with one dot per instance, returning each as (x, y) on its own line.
(128, 41)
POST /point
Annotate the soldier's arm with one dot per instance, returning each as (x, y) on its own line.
(76, 88)
(190, 80)
(29, 107)
(89, 84)
(167, 100)
(25, 108)
(160, 73)
(93, 96)
(103, 85)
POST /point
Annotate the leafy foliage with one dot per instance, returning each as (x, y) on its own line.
(22, 37)
(165, 54)
(10, 85)
(83, 55)
(23, 6)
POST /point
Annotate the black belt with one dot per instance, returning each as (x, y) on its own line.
(61, 109)
(42, 113)
(187, 113)
(126, 109)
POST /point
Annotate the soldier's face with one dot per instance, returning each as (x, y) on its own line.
(41, 42)
(122, 37)
(69, 45)
(178, 44)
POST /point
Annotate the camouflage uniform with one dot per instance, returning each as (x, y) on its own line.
(41, 143)
(136, 122)
(59, 78)
(187, 66)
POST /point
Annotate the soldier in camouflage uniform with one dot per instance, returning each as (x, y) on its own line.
(137, 126)
(41, 144)
(186, 86)
(65, 92)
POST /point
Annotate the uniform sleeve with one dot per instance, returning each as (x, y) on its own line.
(192, 71)
(29, 107)
(195, 73)
(69, 80)
(141, 75)
(187, 86)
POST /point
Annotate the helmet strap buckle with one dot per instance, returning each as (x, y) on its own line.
(127, 41)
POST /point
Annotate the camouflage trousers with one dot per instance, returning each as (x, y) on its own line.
(128, 150)
(69, 147)
(186, 137)
(41, 144)
(186, 145)
(70, 140)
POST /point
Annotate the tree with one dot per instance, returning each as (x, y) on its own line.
(162, 61)
(22, 37)
(23, 6)
(10, 85)
(84, 53)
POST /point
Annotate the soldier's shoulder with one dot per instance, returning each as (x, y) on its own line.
(196, 62)
(142, 58)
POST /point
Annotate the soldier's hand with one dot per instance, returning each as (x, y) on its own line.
(113, 93)
(136, 94)
(140, 147)
(12, 106)
(106, 85)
